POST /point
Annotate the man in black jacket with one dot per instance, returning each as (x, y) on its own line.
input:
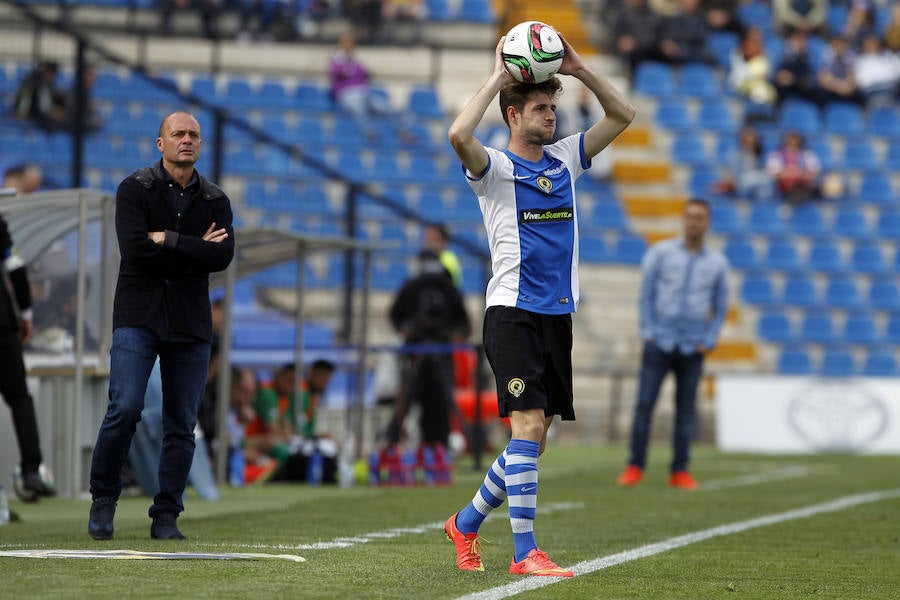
(174, 229)
(15, 330)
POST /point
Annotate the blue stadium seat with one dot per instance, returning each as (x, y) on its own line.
(807, 219)
(726, 219)
(801, 116)
(884, 121)
(765, 219)
(424, 102)
(740, 253)
(204, 87)
(272, 95)
(888, 225)
(424, 168)
(757, 289)
(868, 258)
(309, 132)
(875, 188)
(881, 362)
(817, 328)
(836, 18)
(884, 295)
(800, 290)
(841, 292)
(438, 10)
(825, 256)
(698, 80)
(837, 362)
(609, 215)
(672, 113)
(346, 133)
(654, 79)
(592, 248)
(820, 145)
(629, 249)
(794, 361)
(311, 97)
(239, 94)
(688, 149)
(714, 115)
(860, 328)
(859, 155)
(478, 11)
(701, 181)
(892, 331)
(720, 45)
(892, 157)
(782, 255)
(850, 222)
(844, 119)
(774, 327)
(385, 168)
(755, 14)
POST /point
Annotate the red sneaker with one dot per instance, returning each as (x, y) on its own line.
(683, 480)
(631, 476)
(468, 547)
(538, 563)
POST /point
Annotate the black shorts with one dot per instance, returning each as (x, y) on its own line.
(531, 356)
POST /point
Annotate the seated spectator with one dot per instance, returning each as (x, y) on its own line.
(261, 12)
(892, 30)
(208, 10)
(683, 35)
(837, 72)
(795, 76)
(365, 17)
(749, 75)
(748, 177)
(720, 15)
(807, 16)
(794, 168)
(38, 98)
(240, 415)
(24, 178)
(633, 29)
(396, 12)
(349, 84)
(861, 21)
(877, 72)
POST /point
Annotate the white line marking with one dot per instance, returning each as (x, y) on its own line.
(583, 568)
(779, 474)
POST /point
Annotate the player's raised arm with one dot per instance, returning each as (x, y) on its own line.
(618, 111)
(462, 132)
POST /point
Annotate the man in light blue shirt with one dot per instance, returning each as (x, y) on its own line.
(684, 299)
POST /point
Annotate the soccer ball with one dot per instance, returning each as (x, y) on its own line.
(26, 495)
(532, 52)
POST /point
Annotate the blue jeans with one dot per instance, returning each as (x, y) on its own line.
(655, 365)
(183, 366)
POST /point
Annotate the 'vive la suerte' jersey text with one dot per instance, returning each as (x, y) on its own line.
(532, 226)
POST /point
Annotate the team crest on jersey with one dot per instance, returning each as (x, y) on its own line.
(516, 386)
(545, 184)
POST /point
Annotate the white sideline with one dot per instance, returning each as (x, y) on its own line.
(583, 568)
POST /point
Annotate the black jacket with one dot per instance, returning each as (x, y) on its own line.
(429, 308)
(18, 278)
(174, 276)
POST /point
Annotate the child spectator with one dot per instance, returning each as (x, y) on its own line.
(748, 177)
(794, 168)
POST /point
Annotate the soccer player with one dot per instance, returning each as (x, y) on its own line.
(526, 194)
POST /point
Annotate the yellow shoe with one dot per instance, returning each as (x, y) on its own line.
(538, 563)
(468, 547)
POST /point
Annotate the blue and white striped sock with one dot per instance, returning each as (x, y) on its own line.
(522, 488)
(489, 496)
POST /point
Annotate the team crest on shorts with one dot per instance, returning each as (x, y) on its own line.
(516, 386)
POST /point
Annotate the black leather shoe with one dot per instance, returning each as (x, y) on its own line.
(164, 527)
(100, 523)
(33, 483)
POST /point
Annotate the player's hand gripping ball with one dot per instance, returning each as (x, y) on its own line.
(533, 52)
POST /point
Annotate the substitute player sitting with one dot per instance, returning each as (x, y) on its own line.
(526, 194)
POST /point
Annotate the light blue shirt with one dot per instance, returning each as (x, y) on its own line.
(684, 296)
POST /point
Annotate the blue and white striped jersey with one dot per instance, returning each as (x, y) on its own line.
(532, 226)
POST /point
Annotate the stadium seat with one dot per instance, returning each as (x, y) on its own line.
(346, 133)
(859, 155)
(438, 10)
(765, 219)
(629, 249)
(884, 295)
(698, 80)
(888, 225)
(726, 219)
(817, 328)
(875, 188)
(688, 149)
(385, 168)
(204, 87)
(892, 331)
(822, 148)
(800, 290)
(881, 362)
(836, 17)
(701, 181)
(311, 97)
(740, 253)
(592, 248)
(782, 255)
(309, 132)
(478, 11)
(654, 79)
(774, 327)
(755, 14)
(844, 119)
(860, 328)
(424, 102)
(239, 94)
(757, 289)
(801, 116)
(884, 121)
(794, 361)
(806, 219)
(867, 258)
(716, 116)
(424, 168)
(850, 222)
(841, 292)
(672, 113)
(892, 157)
(825, 256)
(609, 215)
(720, 45)
(837, 362)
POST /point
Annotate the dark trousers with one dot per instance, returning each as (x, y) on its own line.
(655, 365)
(427, 381)
(183, 366)
(15, 393)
